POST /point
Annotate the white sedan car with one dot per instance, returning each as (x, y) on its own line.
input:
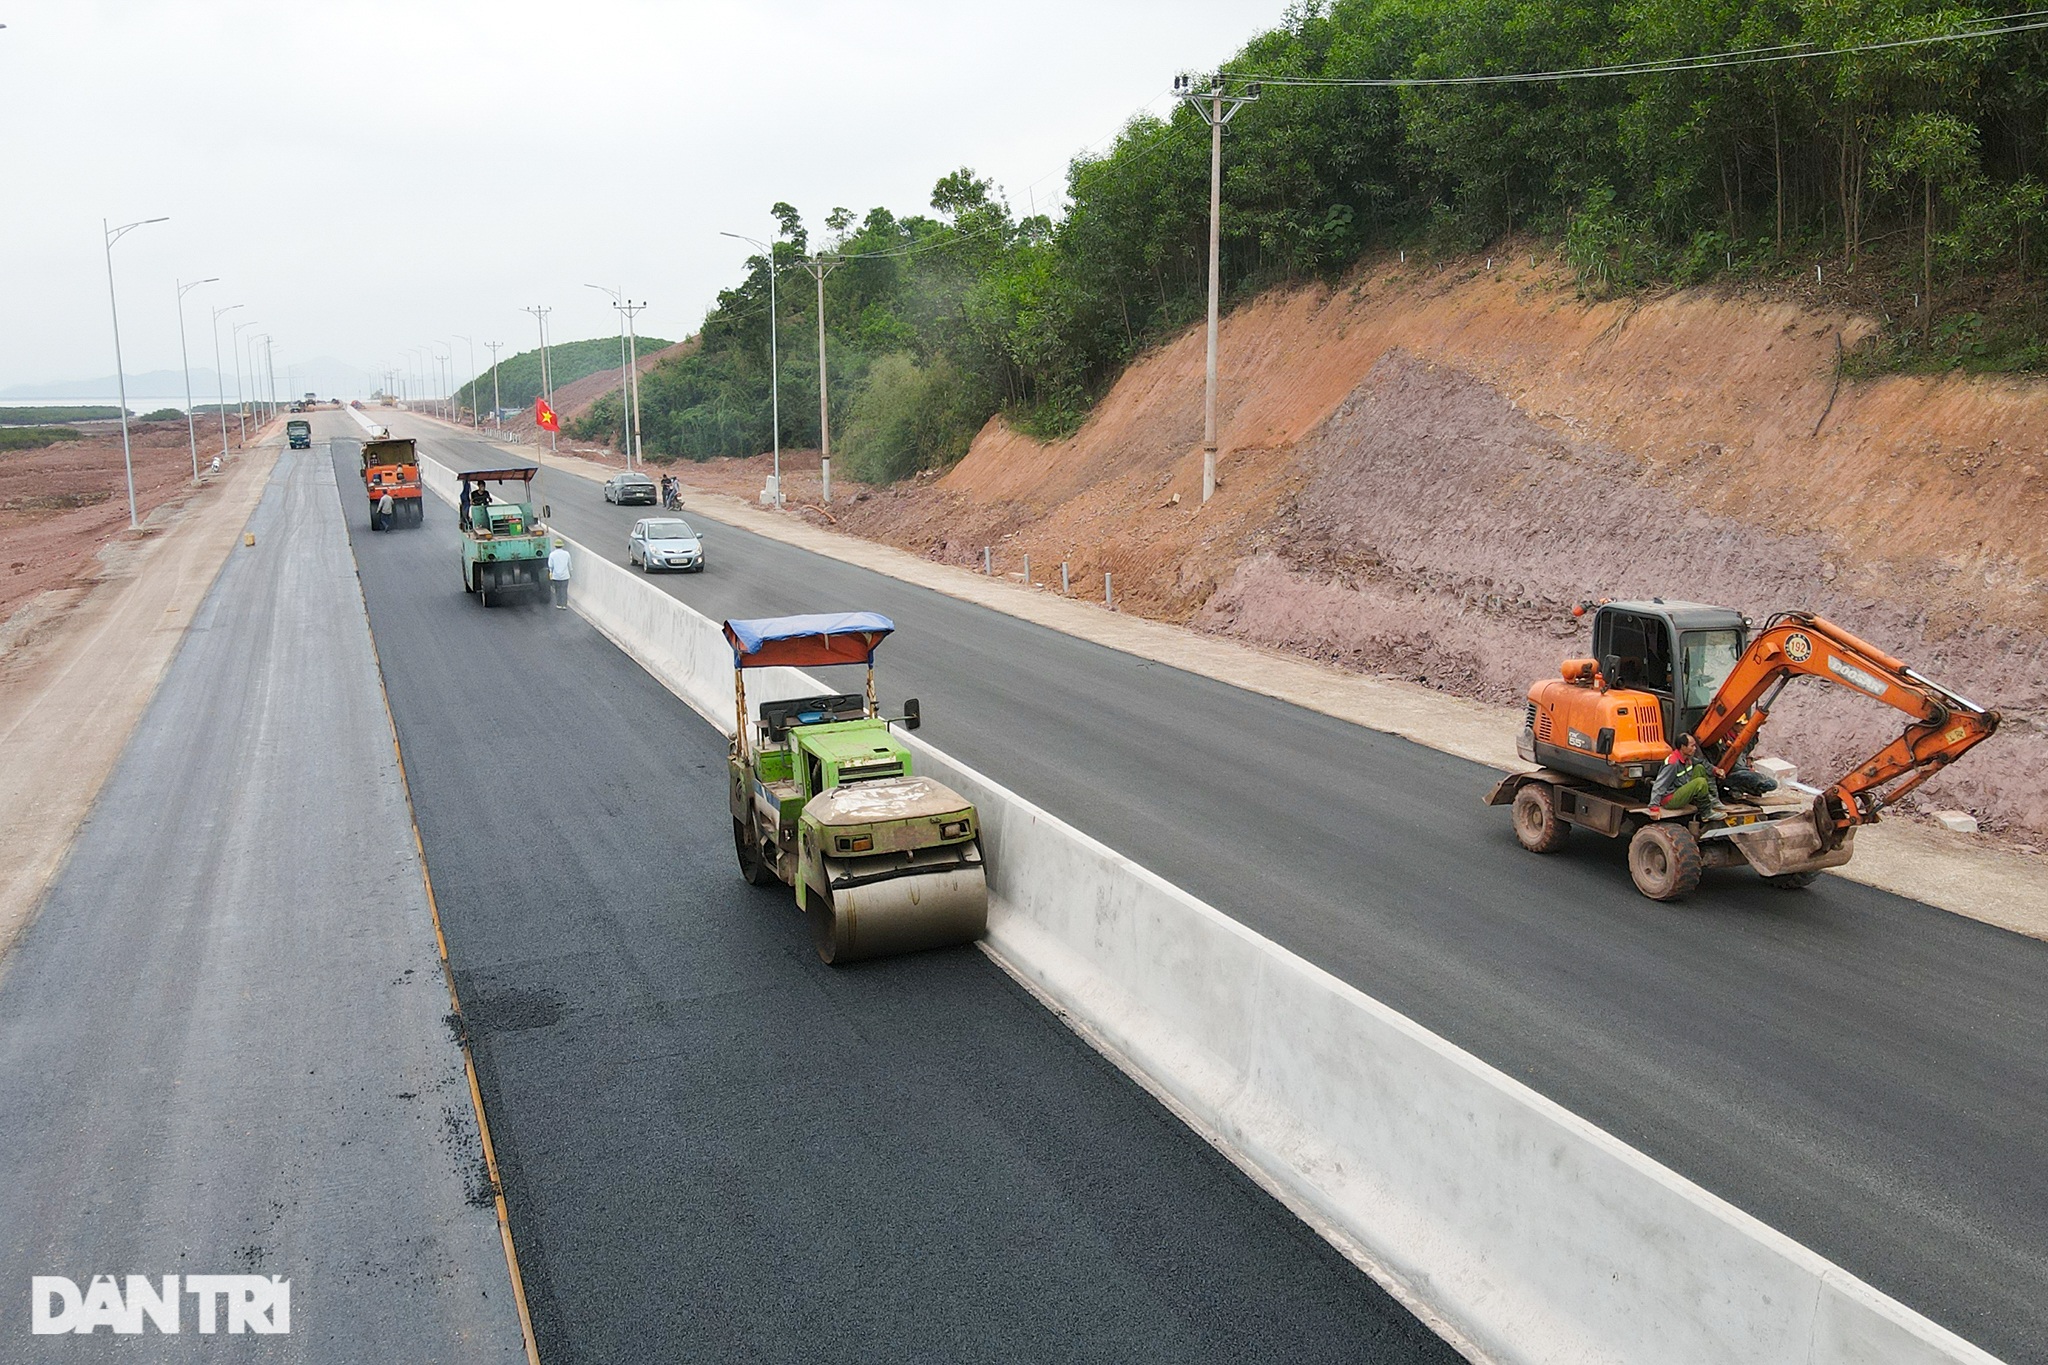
(665, 543)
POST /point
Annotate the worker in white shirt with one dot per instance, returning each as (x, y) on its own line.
(558, 573)
(385, 507)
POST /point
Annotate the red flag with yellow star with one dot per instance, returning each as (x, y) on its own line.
(544, 416)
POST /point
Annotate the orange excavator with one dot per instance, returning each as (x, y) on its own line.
(1601, 730)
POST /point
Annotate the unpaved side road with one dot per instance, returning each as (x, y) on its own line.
(72, 687)
(223, 1042)
(1955, 873)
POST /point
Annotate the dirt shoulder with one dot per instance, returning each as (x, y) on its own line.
(1968, 877)
(80, 660)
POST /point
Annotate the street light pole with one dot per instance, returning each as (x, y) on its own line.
(111, 236)
(1217, 108)
(774, 363)
(220, 383)
(497, 405)
(820, 267)
(476, 421)
(185, 359)
(241, 411)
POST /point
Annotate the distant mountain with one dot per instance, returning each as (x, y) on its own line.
(325, 375)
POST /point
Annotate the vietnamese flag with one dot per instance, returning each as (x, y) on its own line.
(544, 416)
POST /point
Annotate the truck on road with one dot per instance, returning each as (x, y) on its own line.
(504, 546)
(298, 434)
(392, 465)
(823, 799)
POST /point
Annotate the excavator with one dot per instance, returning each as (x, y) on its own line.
(1601, 731)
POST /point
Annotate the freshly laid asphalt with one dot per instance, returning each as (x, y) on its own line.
(1863, 1072)
(224, 1045)
(717, 1148)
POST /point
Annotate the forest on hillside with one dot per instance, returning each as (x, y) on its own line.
(1916, 162)
(519, 382)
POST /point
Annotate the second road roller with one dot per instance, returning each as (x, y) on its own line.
(823, 799)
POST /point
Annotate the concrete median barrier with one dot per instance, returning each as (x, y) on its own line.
(1519, 1230)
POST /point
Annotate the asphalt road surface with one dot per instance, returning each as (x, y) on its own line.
(223, 1046)
(717, 1148)
(1861, 1071)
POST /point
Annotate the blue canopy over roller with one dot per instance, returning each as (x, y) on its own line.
(819, 640)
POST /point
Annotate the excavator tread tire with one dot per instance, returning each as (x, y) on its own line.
(1537, 826)
(1664, 861)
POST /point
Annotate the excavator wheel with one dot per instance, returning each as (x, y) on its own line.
(1536, 822)
(754, 869)
(1664, 860)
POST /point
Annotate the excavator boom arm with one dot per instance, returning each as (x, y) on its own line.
(1945, 724)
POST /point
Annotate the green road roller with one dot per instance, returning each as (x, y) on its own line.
(823, 799)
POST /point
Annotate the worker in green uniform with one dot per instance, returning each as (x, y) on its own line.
(1685, 780)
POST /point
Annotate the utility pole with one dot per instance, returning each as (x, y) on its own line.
(632, 310)
(111, 236)
(618, 298)
(540, 315)
(820, 267)
(497, 422)
(220, 383)
(1217, 107)
(774, 363)
(185, 359)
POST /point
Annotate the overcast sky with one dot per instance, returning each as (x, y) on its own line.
(370, 176)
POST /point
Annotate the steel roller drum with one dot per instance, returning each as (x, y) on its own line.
(900, 915)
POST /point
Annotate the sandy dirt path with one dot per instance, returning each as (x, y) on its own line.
(73, 686)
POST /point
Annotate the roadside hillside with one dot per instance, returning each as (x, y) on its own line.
(574, 399)
(1422, 470)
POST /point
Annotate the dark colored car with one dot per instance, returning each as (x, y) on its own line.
(625, 488)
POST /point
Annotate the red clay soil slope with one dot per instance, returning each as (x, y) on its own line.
(1423, 469)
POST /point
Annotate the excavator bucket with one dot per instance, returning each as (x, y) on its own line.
(1781, 848)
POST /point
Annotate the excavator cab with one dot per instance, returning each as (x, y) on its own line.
(1678, 652)
(1655, 670)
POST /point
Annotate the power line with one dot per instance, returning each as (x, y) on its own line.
(1995, 26)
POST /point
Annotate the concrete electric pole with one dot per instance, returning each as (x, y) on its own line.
(497, 422)
(547, 385)
(1217, 107)
(819, 267)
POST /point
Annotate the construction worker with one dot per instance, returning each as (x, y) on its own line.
(385, 507)
(1685, 780)
(558, 573)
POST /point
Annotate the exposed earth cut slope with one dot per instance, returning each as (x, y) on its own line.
(1424, 469)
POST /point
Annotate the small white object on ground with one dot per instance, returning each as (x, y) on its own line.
(1961, 822)
(1785, 771)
